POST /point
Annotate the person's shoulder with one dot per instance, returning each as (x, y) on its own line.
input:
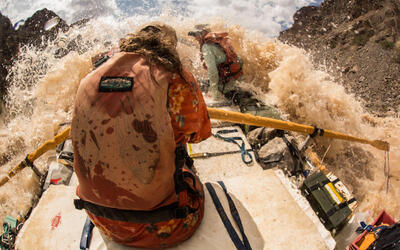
(211, 46)
(187, 75)
(217, 34)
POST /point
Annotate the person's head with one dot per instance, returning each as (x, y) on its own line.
(201, 30)
(157, 42)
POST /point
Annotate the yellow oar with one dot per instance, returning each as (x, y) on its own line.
(48, 145)
(248, 119)
(218, 114)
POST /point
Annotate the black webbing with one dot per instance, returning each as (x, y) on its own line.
(242, 245)
(165, 213)
(30, 164)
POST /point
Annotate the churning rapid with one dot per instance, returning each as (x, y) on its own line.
(44, 85)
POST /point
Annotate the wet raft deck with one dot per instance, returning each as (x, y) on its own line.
(271, 216)
(281, 222)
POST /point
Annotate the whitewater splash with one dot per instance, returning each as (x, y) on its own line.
(43, 88)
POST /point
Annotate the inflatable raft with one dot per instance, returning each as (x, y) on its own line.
(274, 213)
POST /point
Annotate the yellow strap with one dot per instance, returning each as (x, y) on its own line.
(313, 157)
(333, 193)
(190, 149)
(368, 239)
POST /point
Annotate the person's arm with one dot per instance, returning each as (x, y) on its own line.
(188, 111)
(212, 58)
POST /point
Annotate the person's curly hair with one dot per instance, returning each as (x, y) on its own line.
(157, 42)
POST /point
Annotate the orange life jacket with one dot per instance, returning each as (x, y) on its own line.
(231, 67)
(187, 109)
(122, 135)
(132, 174)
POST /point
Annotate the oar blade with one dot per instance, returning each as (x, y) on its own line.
(382, 145)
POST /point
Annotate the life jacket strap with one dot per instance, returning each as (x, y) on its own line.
(182, 158)
(239, 243)
(164, 213)
(225, 73)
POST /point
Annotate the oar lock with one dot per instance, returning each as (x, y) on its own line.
(30, 164)
(317, 131)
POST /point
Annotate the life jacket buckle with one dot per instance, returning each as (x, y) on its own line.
(79, 204)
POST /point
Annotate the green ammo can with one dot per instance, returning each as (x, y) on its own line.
(331, 208)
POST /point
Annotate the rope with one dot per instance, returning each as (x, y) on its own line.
(244, 152)
(323, 157)
(369, 228)
(386, 169)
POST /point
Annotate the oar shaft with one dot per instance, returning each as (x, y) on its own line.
(237, 117)
(382, 145)
(48, 145)
(218, 114)
(4, 180)
(248, 119)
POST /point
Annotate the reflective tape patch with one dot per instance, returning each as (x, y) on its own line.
(333, 193)
(115, 84)
(189, 149)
